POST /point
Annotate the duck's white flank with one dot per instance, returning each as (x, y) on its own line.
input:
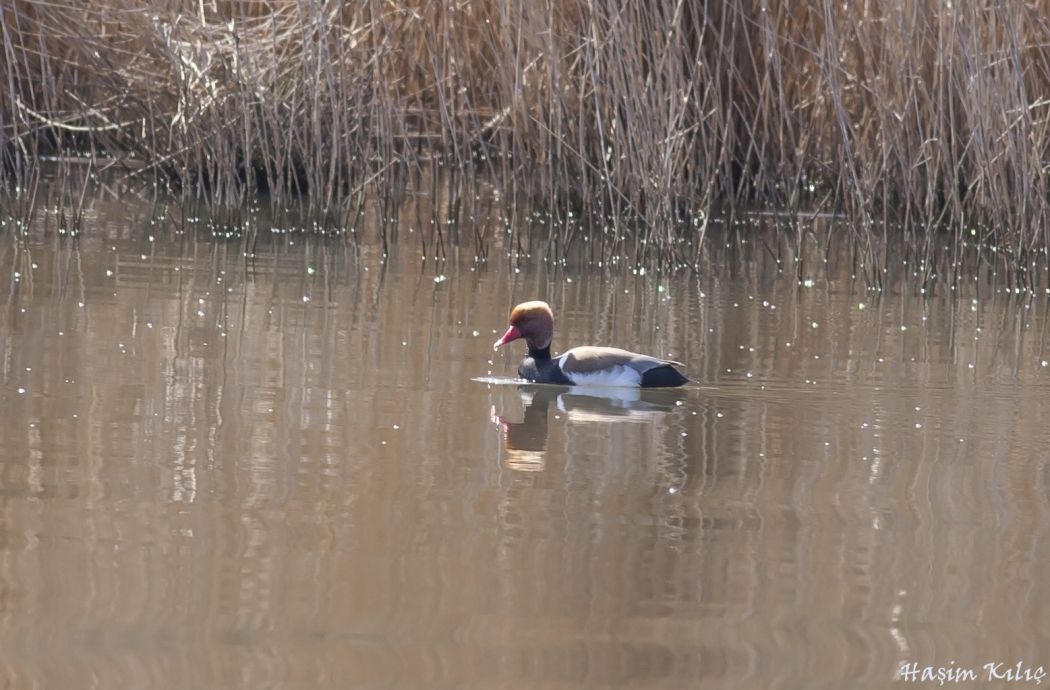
(615, 375)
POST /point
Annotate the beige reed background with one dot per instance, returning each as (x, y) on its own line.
(652, 115)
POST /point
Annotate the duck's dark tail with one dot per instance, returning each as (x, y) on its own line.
(664, 376)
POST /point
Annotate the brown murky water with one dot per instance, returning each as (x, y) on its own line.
(218, 472)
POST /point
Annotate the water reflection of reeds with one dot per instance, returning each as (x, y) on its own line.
(230, 489)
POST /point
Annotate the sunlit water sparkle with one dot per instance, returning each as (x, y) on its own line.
(305, 467)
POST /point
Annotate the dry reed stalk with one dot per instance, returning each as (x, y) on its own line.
(645, 118)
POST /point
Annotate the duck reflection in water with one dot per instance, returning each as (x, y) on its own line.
(525, 442)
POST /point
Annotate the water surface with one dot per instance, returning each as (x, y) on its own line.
(276, 471)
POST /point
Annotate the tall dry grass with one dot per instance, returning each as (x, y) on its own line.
(645, 118)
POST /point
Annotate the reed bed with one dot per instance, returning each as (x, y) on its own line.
(629, 123)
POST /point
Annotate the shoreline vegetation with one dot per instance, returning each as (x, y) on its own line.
(640, 120)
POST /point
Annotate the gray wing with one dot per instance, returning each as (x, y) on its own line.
(589, 359)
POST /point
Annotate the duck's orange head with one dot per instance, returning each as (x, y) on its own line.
(533, 321)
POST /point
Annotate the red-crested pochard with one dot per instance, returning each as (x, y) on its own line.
(588, 365)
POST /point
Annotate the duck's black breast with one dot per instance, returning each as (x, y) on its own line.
(542, 371)
(538, 367)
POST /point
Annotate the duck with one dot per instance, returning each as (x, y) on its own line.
(587, 365)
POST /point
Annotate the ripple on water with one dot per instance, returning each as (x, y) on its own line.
(311, 493)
